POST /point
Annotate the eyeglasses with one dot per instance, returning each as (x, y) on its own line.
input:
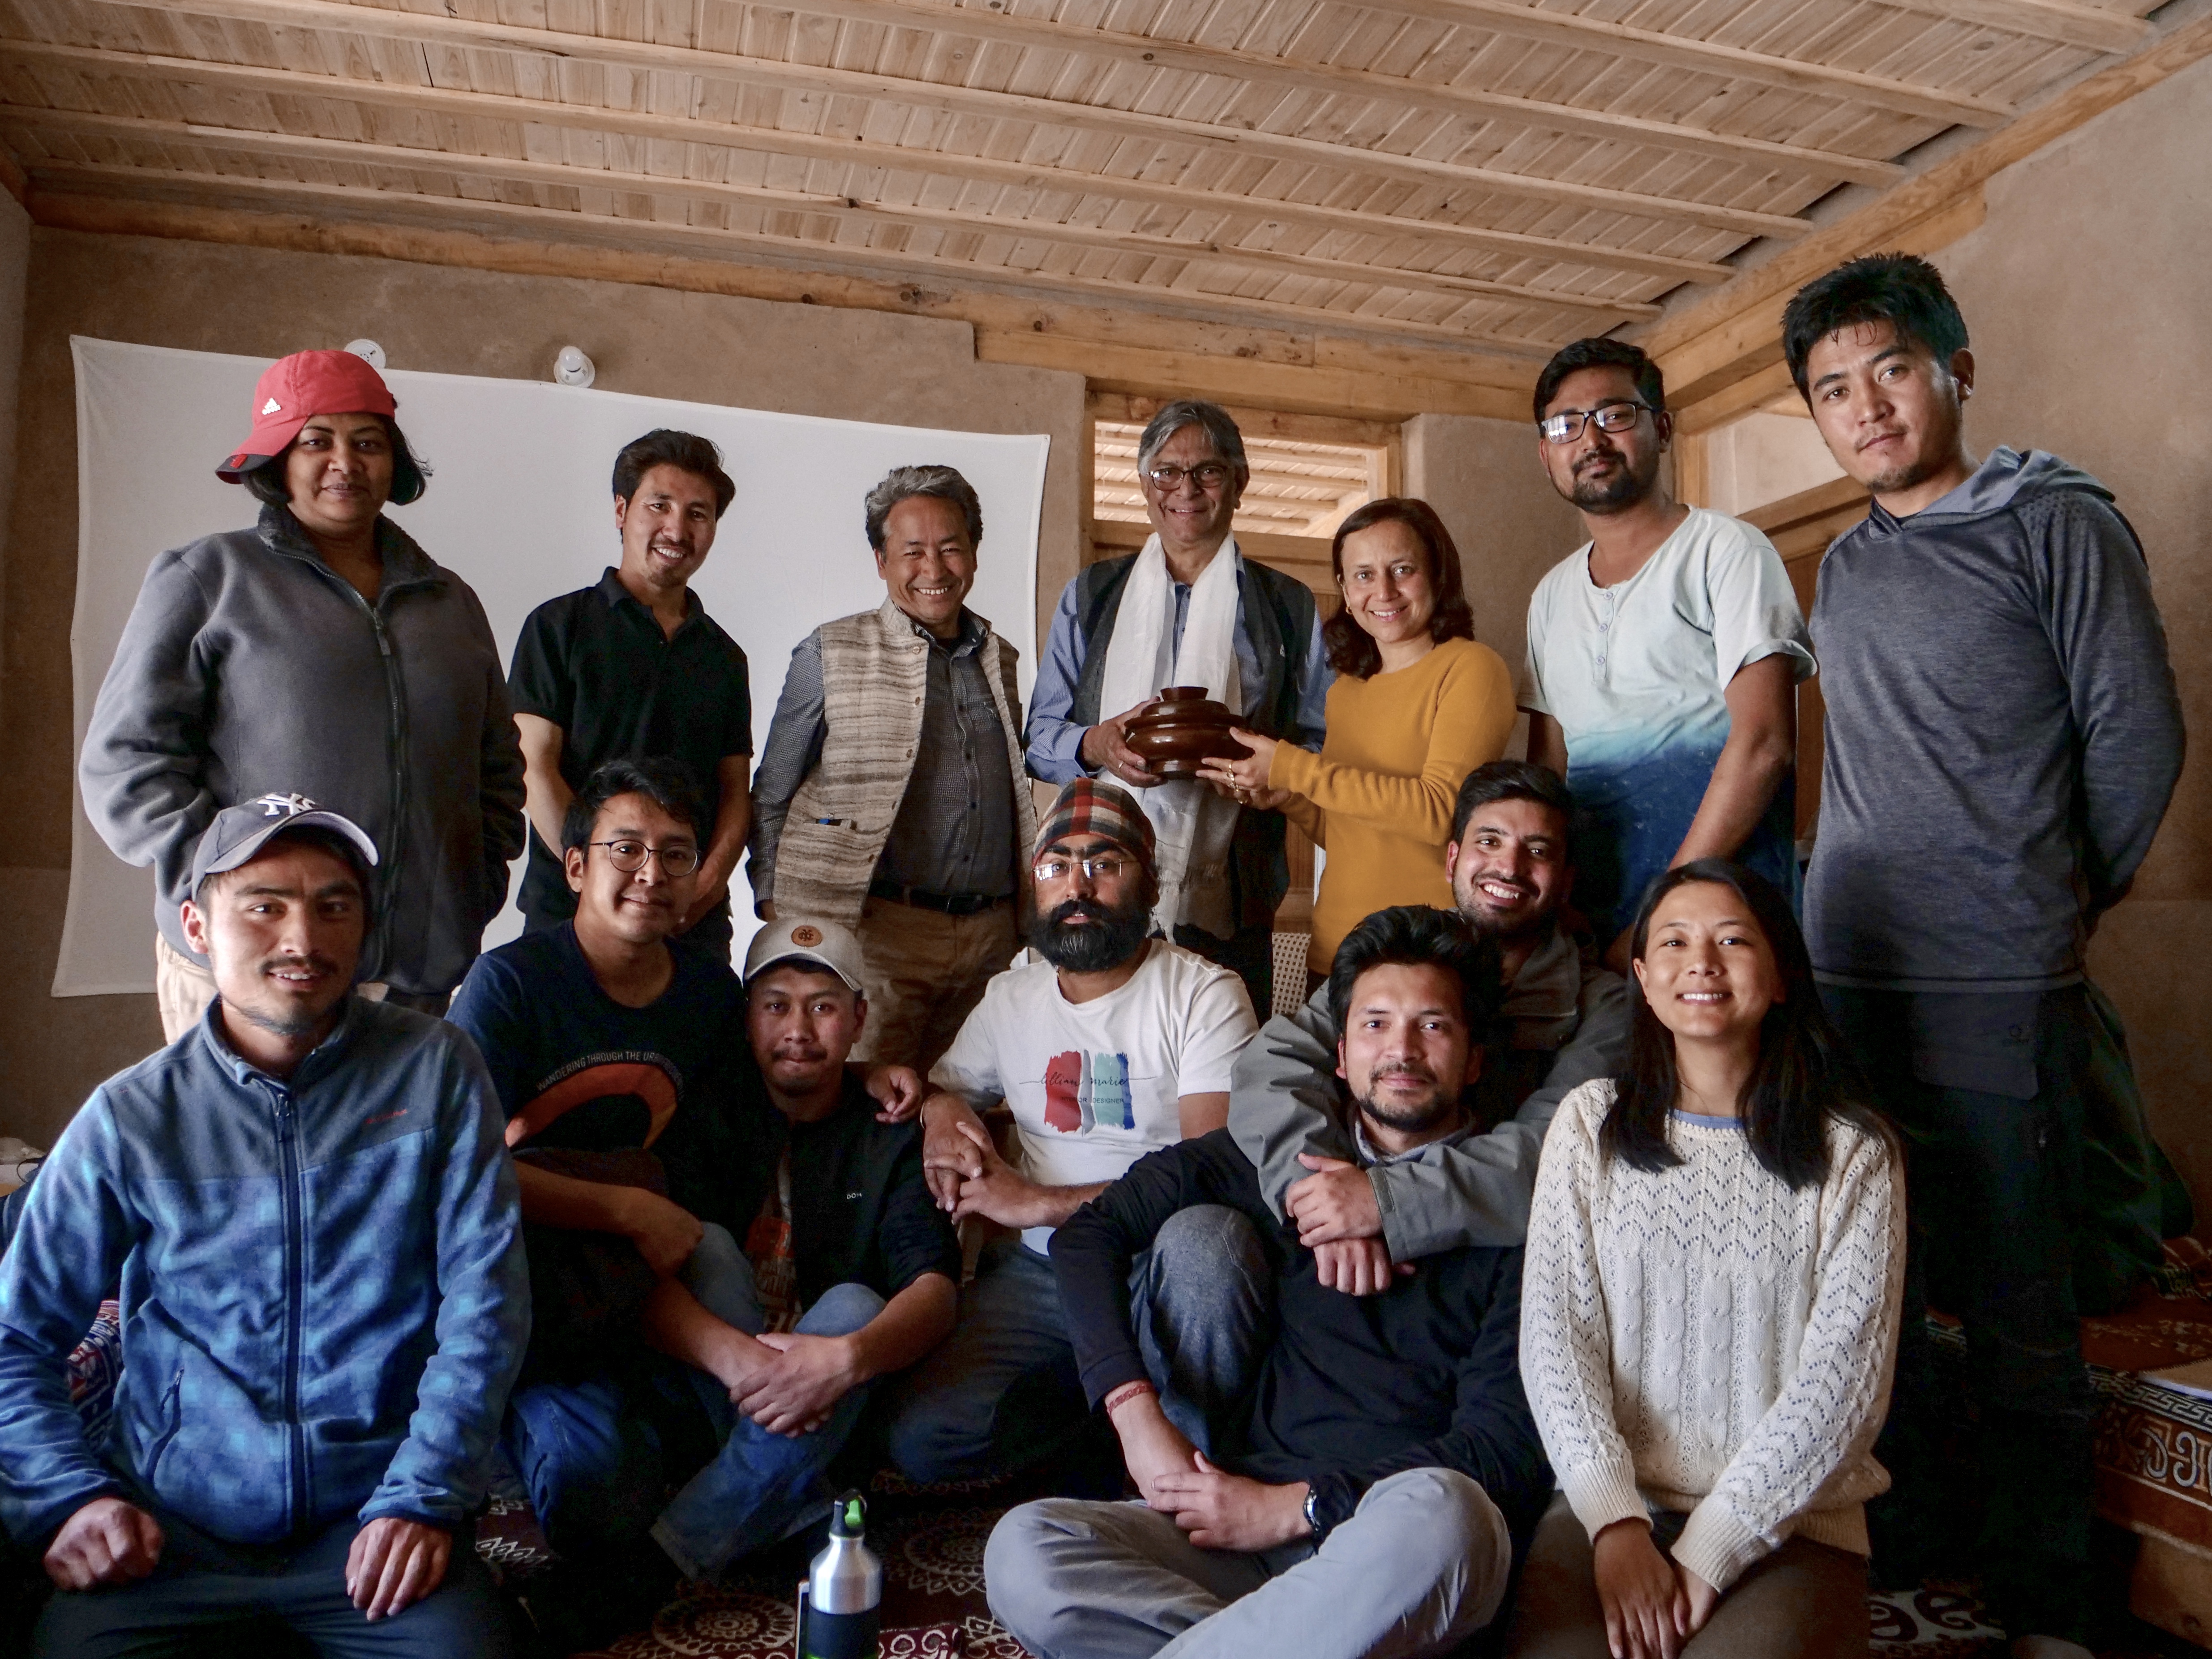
(1105, 867)
(1567, 425)
(629, 856)
(1207, 474)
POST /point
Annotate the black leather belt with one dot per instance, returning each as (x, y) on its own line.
(950, 903)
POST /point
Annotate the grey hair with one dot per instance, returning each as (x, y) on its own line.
(903, 483)
(1210, 418)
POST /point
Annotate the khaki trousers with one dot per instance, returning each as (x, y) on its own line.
(1804, 1601)
(183, 989)
(925, 973)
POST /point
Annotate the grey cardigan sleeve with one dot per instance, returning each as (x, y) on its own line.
(1599, 1048)
(1479, 1192)
(1283, 1097)
(499, 775)
(1283, 1101)
(143, 769)
(794, 744)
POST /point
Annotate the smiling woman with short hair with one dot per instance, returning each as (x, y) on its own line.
(321, 652)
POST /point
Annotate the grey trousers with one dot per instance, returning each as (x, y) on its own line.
(1804, 1601)
(1419, 1567)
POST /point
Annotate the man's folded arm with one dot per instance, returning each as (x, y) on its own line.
(1284, 1100)
(1093, 1249)
(67, 1256)
(437, 1476)
(1478, 1192)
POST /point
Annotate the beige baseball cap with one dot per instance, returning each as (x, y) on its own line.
(824, 944)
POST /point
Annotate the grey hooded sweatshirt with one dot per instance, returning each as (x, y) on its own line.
(2003, 734)
(249, 667)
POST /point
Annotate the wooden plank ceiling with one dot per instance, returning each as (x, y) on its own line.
(1495, 174)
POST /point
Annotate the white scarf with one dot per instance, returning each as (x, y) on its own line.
(1192, 825)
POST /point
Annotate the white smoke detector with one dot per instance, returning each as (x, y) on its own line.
(573, 368)
(368, 351)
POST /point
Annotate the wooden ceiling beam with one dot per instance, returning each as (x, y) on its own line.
(1255, 68)
(1735, 333)
(456, 104)
(2064, 21)
(1259, 68)
(601, 225)
(340, 152)
(1675, 51)
(429, 29)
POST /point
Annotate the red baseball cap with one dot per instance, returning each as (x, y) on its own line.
(294, 390)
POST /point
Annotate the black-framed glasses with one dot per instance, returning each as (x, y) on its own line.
(1207, 474)
(1104, 866)
(629, 856)
(1567, 425)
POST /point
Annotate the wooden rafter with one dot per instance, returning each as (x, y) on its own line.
(1675, 51)
(985, 103)
(1252, 68)
(825, 254)
(341, 152)
(453, 102)
(2063, 21)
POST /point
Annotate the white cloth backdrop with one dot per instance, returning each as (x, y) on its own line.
(518, 505)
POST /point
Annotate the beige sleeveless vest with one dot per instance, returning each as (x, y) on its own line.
(874, 672)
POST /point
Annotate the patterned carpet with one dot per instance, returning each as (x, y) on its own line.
(934, 1608)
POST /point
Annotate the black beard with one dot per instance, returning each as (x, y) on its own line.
(1625, 488)
(1491, 926)
(1409, 1120)
(1109, 938)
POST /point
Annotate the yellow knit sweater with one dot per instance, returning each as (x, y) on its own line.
(1379, 794)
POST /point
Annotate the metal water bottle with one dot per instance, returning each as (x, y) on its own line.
(839, 1605)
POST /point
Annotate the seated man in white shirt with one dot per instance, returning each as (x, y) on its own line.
(1105, 1044)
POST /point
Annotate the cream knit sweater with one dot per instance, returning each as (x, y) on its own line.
(1705, 1339)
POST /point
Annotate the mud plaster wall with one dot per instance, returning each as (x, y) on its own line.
(1483, 478)
(2083, 293)
(804, 360)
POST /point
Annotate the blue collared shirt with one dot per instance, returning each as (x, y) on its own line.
(1055, 742)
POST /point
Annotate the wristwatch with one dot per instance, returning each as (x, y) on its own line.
(1312, 1513)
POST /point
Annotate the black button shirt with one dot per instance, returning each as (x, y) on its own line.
(596, 664)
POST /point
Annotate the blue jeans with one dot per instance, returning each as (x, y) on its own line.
(1001, 1392)
(594, 1462)
(203, 1584)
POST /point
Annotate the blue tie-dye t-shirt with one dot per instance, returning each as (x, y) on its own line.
(1095, 1085)
(1637, 675)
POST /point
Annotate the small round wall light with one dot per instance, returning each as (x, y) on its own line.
(368, 351)
(573, 368)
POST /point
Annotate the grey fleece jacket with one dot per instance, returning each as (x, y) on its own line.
(1567, 1021)
(2003, 734)
(248, 667)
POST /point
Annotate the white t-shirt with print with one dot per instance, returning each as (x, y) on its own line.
(1095, 1085)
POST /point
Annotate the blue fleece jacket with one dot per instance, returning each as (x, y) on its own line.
(324, 1293)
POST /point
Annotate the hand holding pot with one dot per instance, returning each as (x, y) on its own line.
(1106, 746)
(1243, 778)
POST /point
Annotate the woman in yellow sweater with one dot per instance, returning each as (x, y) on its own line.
(1417, 706)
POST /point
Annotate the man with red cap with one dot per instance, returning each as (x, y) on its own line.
(1107, 1044)
(321, 651)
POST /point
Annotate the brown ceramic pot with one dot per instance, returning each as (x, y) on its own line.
(1184, 727)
